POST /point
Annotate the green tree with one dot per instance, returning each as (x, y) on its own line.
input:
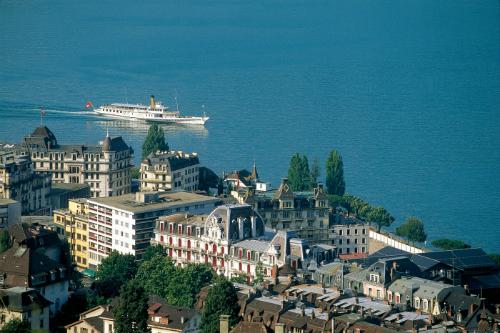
(155, 140)
(378, 215)
(315, 173)
(113, 272)
(450, 244)
(131, 313)
(135, 173)
(16, 326)
(298, 173)
(153, 250)
(221, 300)
(177, 285)
(495, 257)
(335, 183)
(259, 274)
(412, 229)
(5, 242)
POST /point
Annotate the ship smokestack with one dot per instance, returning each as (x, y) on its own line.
(152, 103)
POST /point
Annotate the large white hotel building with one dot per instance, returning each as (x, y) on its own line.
(126, 223)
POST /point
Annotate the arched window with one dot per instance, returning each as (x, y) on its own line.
(171, 227)
(214, 248)
(248, 255)
(179, 242)
(170, 240)
(222, 250)
(189, 244)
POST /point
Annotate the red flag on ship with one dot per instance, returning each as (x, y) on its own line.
(89, 105)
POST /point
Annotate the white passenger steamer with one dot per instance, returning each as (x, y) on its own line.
(155, 111)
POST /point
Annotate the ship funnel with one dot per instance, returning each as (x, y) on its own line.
(152, 103)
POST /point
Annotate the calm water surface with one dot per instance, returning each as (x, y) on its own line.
(408, 91)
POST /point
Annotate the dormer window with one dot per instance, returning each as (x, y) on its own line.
(374, 278)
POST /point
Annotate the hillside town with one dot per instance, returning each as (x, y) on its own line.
(91, 243)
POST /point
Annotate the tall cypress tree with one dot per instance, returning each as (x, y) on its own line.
(155, 140)
(314, 175)
(298, 173)
(335, 183)
(131, 313)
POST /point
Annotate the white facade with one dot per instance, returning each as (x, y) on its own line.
(126, 223)
(10, 212)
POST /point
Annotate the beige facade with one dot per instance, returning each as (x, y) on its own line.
(19, 182)
(26, 305)
(306, 213)
(170, 170)
(74, 225)
(105, 168)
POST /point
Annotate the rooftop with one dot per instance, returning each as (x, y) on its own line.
(128, 202)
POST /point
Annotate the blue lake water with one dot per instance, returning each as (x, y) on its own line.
(408, 91)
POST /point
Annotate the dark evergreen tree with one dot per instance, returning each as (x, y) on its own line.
(155, 140)
(221, 300)
(131, 313)
(113, 272)
(412, 229)
(298, 173)
(315, 173)
(335, 183)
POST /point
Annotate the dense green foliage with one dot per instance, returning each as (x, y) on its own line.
(259, 274)
(208, 179)
(495, 257)
(5, 242)
(177, 285)
(114, 271)
(221, 300)
(16, 326)
(377, 215)
(335, 183)
(450, 244)
(155, 140)
(70, 311)
(152, 251)
(298, 173)
(135, 173)
(412, 229)
(315, 173)
(131, 313)
(239, 279)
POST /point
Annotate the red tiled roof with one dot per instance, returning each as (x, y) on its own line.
(351, 256)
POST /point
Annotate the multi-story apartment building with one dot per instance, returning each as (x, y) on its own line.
(105, 167)
(170, 170)
(20, 182)
(233, 240)
(306, 213)
(350, 238)
(126, 223)
(10, 213)
(73, 224)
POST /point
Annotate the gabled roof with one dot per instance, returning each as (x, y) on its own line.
(462, 259)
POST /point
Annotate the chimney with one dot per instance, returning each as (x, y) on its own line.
(278, 328)
(152, 103)
(471, 309)
(224, 324)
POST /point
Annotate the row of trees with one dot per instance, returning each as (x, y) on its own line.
(303, 178)
(120, 275)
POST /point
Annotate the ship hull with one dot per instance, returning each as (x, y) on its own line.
(163, 119)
